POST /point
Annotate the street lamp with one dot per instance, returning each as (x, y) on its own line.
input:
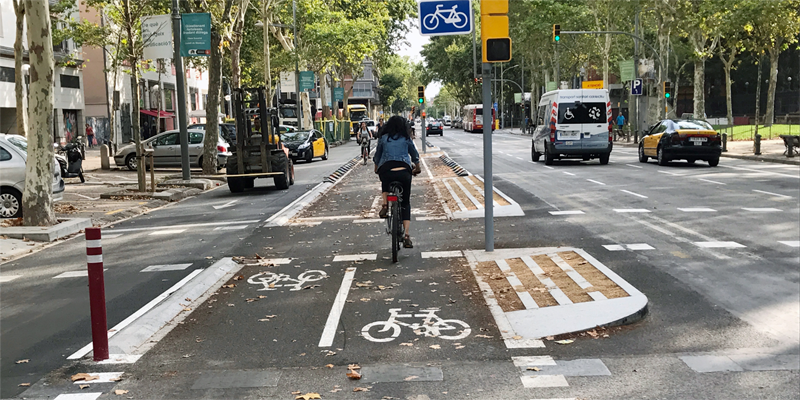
(502, 99)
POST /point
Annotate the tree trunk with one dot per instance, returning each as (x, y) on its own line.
(699, 88)
(758, 90)
(769, 115)
(19, 79)
(606, 55)
(212, 106)
(37, 197)
(727, 64)
(267, 71)
(236, 44)
(133, 60)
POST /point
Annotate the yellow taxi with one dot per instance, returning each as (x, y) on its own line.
(681, 139)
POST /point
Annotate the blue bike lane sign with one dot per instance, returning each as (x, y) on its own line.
(445, 17)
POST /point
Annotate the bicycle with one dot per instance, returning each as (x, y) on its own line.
(365, 150)
(394, 220)
(432, 326)
(271, 280)
(457, 19)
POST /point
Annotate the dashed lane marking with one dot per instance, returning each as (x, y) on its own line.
(635, 194)
(230, 228)
(441, 254)
(670, 173)
(543, 381)
(111, 236)
(697, 209)
(774, 194)
(548, 167)
(635, 246)
(634, 166)
(8, 278)
(332, 323)
(631, 210)
(355, 257)
(597, 182)
(567, 212)
(568, 173)
(719, 245)
(367, 220)
(167, 267)
(432, 218)
(103, 377)
(72, 274)
(79, 396)
(710, 181)
(167, 232)
(115, 211)
(766, 209)
(790, 243)
(533, 361)
(761, 171)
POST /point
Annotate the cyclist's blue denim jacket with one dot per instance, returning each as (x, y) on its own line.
(395, 150)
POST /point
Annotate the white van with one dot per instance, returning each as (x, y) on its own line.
(573, 123)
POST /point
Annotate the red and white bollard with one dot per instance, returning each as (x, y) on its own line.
(97, 294)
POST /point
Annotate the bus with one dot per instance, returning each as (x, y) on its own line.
(356, 112)
(473, 118)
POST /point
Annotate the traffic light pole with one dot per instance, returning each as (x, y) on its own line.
(422, 122)
(488, 194)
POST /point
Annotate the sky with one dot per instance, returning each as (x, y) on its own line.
(412, 49)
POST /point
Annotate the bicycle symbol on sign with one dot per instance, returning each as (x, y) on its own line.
(272, 281)
(457, 19)
(431, 326)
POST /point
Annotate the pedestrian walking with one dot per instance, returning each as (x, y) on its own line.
(620, 123)
(90, 135)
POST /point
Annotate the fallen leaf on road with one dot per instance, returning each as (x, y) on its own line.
(297, 392)
(483, 336)
(83, 386)
(364, 299)
(251, 300)
(411, 378)
(229, 286)
(22, 361)
(330, 353)
(231, 305)
(209, 257)
(271, 285)
(117, 379)
(407, 344)
(309, 396)
(360, 389)
(84, 377)
(534, 369)
(238, 277)
(353, 374)
(566, 341)
(187, 309)
(261, 296)
(517, 337)
(26, 384)
(353, 367)
(550, 338)
(336, 390)
(120, 392)
(329, 366)
(364, 284)
(378, 270)
(435, 346)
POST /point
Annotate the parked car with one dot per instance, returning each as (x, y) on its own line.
(167, 150)
(457, 123)
(228, 131)
(681, 139)
(573, 123)
(13, 155)
(434, 127)
(306, 145)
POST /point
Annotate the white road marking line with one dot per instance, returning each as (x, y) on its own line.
(121, 359)
(336, 310)
(557, 293)
(378, 199)
(453, 194)
(86, 197)
(547, 166)
(597, 296)
(167, 267)
(773, 194)
(560, 398)
(760, 171)
(635, 194)
(112, 236)
(790, 243)
(468, 194)
(8, 278)
(428, 170)
(719, 245)
(532, 361)
(230, 228)
(542, 381)
(639, 246)
(518, 158)
(575, 275)
(761, 209)
(710, 181)
(441, 254)
(477, 189)
(275, 261)
(568, 173)
(697, 209)
(567, 212)
(133, 317)
(367, 220)
(671, 173)
(355, 257)
(434, 218)
(328, 218)
(511, 277)
(79, 396)
(72, 274)
(597, 182)
(150, 228)
(104, 377)
(614, 247)
(634, 166)
(167, 232)
(631, 210)
(226, 205)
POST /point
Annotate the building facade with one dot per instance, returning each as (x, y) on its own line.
(365, 88)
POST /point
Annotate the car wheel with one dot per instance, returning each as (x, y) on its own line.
(662, 159)
(604, 158)
(642, 157)
(713, 162)
(535, 155)
(130, 161)
(325, 154)
(10, 203)
(548, 157)
(291, 169)
(309, 155)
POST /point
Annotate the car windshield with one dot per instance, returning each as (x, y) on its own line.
(695, 125)
(294, 136)
(582, 113)
(288, 112)
(20, 142)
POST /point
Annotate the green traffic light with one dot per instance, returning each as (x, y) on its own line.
(666, 95)
(421, 100)
(558, 38)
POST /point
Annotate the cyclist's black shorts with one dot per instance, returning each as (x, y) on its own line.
(404, 177)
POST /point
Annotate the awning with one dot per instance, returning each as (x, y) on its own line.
(159, 114)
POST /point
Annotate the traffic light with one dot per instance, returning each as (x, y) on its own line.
(495, 41)
(421, 94)
(556, 32)
(667, 89)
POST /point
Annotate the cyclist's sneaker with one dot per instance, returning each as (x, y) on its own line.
(384, 211)
(407, 243)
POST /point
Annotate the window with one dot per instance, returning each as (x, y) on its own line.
(4, 155)
(367, 72)
(168, 140)
(168, 103)
(582, 113)
(6, 74)
(70, 81)
(195, 138)
(362, 90)
(193, 97)
(20, 143)
(697, 125)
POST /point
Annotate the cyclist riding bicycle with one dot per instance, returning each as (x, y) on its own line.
(396, 159)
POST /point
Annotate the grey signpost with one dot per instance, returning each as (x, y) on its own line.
(487, 156)
(180, 76)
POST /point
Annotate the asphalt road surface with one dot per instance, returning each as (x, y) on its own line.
(715, 250)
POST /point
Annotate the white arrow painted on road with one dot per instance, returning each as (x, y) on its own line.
(226, 205)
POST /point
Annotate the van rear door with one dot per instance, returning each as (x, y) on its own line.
(594, 132)
(569, 126)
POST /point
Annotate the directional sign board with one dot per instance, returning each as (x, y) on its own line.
(636, 87)
(445, 17)
(307, 80)
(195, 35)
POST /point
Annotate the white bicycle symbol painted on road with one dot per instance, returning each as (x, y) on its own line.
(272, 281)
(457, 19)
(431, 326)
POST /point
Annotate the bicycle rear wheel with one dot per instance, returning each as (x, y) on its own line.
(395, 229)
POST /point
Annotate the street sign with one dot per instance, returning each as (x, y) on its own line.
(517, 97)
(592, 84)
(195, 35)
(307, 80)
(636, 87)
(338, 94)
(550, 86)
(157, 37)
(494, 106)
(445, 17)
(287, 82)
(626, 70)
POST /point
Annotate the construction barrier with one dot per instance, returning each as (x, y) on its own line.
(334, 130)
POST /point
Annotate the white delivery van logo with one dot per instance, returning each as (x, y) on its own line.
(568, 114)
(594, 113)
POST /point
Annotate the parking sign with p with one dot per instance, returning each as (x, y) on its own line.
(636, 87)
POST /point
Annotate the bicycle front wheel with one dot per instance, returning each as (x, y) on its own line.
(461, 328)
(395, 229)
(378, 336)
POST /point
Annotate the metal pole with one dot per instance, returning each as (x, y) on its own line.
(502, 102)
(297, 68)
(487, 158)
(558, 69)
(635, 124)
(97, 294)
(424, 131)
(474, 59)
(180, 77)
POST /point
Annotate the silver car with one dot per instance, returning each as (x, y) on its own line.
(167, 150)
(13, 154)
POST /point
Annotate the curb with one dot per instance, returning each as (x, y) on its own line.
(50, 233)
(456, 167)
(762, 159)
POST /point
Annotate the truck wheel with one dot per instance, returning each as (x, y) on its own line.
(548, 157)
(281, 163)
(535, 155)
(604, 158)
(235, 185)
(249, 183)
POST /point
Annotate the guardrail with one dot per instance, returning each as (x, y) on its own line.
(334, 130)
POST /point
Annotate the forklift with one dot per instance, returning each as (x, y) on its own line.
(257, 155)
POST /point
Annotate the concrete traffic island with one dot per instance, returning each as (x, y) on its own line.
(534, 293)
(65, 227)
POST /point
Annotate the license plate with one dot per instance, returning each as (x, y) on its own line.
(698, 139)
(569, 135)
(568, 143)
(294, 153)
